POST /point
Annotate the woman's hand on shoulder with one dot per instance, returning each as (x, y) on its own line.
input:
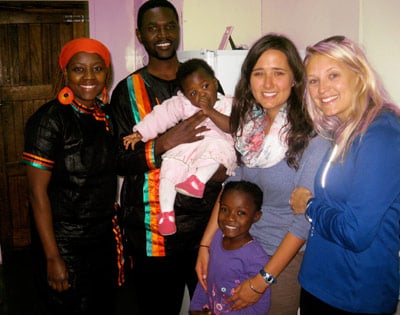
(299, 198)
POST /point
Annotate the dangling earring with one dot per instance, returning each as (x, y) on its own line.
(293, 83)
(104, 96)
(65, 96)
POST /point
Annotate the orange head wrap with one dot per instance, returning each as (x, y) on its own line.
(87, 45)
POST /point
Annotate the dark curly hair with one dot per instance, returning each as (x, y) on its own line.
(190, 66)
(246, 187)
(301, 128)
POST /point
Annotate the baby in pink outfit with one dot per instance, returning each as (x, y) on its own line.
(187, 167)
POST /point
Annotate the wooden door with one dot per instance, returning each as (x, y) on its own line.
(31, 36)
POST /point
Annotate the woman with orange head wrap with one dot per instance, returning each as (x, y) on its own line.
(72, 184)
(71, 51)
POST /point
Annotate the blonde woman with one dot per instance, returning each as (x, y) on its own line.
(350, 264)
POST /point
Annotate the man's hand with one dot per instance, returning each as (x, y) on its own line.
(184, 132)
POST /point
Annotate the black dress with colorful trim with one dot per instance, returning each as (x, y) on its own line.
(75, 143)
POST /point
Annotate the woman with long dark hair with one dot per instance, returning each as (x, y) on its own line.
(279, 149)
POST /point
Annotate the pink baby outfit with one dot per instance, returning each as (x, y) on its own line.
(216, 145)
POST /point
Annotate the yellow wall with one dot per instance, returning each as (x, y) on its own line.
(380, 35)
(372, 23)
(308, 21)
(204, 22)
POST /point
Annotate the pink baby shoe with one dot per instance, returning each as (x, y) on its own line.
(191, 187)
(166, 223)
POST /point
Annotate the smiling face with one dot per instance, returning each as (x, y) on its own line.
(271, 80)
(159, 33)
(237, 212)
(200, 87)
(86, 75)
(331, 85)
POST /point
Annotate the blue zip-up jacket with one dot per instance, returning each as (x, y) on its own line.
(351, 259)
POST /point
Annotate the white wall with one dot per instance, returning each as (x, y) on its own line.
(380, 35)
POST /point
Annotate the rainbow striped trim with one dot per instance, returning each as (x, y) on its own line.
(154, 241)
(37, 161)
(119, 248)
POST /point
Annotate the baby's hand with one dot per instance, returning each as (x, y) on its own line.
(131, 140)
(205, 104)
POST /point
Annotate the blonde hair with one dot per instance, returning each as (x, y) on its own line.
(369, 99)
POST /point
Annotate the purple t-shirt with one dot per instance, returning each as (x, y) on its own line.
(227, 269)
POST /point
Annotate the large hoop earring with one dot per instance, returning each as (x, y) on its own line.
(65, 96)
(104, 96)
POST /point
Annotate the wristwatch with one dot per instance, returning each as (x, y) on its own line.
(268, 278)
